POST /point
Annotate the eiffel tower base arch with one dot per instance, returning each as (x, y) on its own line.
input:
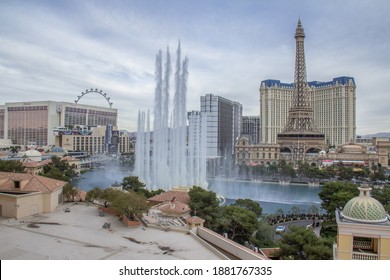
(298, 145)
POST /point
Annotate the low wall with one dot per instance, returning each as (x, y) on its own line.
(129, 223)
(233, 248)
(194, 234)
(125, 220)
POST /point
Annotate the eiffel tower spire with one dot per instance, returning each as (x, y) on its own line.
(301, 115)
(300, 128)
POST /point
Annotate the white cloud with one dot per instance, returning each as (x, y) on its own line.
(61, 48)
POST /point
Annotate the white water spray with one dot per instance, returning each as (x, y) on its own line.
(173, 159)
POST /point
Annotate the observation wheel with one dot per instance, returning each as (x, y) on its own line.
(97, 91)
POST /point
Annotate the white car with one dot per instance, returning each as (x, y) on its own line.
(280, 229)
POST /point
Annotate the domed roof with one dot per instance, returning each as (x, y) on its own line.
(57, 149)
(33, 153)
(352, 148)
(364, 208)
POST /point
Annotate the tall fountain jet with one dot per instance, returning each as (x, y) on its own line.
(173, 158)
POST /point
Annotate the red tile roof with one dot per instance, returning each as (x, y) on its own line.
(194, 220)
(30, 164)
(175, 207)
(28, 182)
(181, 196)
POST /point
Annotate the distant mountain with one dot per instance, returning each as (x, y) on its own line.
(379, 134)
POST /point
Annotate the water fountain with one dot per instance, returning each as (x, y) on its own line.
(173, 158)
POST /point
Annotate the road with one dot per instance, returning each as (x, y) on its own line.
(299, 223)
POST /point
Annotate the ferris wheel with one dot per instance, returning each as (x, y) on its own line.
(96, 91)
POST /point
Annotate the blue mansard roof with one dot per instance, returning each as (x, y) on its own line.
(341, 80)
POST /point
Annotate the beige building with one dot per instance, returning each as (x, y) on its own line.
(363, 229)
(353, 154)
(258, 154)
(382, 146)
(333, 103)
(23, 195)
(96, 142)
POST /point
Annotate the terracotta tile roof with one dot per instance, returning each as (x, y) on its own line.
(194, 220)
(69, 158)
(181, 196)
(269, 252)
(28, 182)
(3, 153)
(30, 164)
(175, 207)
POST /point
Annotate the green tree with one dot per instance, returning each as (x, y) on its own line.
(279, 212)
(336, 194)
(378, 173)
(273, 169)
(11, 166)
(345, 173)
(249, 205)
(132, 183)
(264, 237)
(205, 204)
(383, 196)
(129, 203)
(107, 196)
(300, 243)
(69, 192)
(94, 195)
(295, 210)
(54, 173)
(239, 223)
(302, 169)
(58, 169)
(313, 210)
(14, 149)
(286, 170)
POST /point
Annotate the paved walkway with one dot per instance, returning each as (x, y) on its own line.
(78, 235)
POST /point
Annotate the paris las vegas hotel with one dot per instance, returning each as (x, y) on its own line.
(333, 103)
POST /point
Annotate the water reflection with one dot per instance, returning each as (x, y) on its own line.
(102, 177)
(271, 196)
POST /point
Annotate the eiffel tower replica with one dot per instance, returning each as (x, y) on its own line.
(300, 136)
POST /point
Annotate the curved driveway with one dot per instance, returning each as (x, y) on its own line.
(299, 223)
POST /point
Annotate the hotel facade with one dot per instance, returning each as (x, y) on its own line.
(333, 103)
(24, 123)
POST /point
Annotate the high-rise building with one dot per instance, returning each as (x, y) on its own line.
(333, 104)
(251, 128)
(223, 119)
(33, 122)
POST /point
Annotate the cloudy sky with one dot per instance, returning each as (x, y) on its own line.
(54, 50)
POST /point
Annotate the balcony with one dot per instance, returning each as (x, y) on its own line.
(364, 245)
(364, 249)
(364, 256)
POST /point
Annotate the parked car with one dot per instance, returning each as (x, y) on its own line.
(280, 229)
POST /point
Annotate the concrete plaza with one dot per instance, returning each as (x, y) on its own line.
(79, 235)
